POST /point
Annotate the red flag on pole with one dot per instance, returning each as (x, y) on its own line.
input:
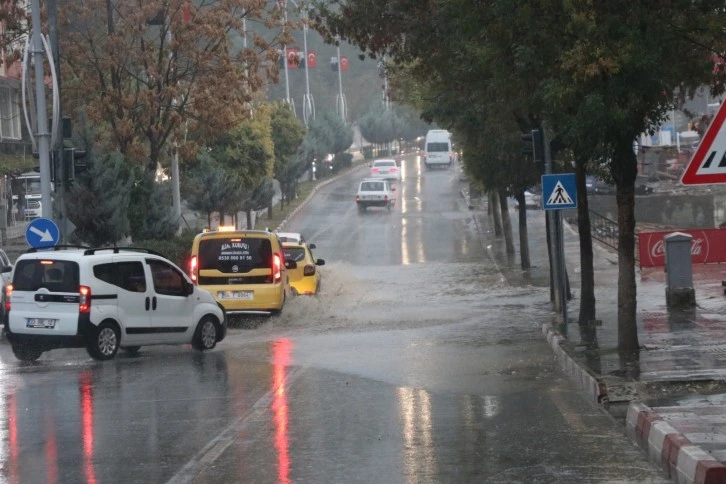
(343, 63)
(312, 59)
(292, 59)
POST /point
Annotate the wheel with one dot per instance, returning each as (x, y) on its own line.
(132, 350)
(26, 352)
(104, 343)
(361, 208)
(205, 337)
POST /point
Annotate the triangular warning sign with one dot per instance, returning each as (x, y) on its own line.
(559, 196)
(708, 164)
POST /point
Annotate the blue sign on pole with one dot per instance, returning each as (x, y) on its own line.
(559, 191)
(42, 232)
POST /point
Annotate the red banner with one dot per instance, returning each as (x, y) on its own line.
(312, 59)
(343, 63)
(292, 59)
(708, 246)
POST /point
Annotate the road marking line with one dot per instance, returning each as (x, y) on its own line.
(216, 447)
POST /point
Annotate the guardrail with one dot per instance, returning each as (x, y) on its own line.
(604, 231)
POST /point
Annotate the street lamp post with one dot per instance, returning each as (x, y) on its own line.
(340, 103)
(308, 102)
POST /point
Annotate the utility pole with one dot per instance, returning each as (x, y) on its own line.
(42, 134)
(57, 159)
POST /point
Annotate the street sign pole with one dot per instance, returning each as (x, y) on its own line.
(551, 227)
(559, 192)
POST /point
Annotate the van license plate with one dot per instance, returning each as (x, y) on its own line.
(245, 295)
(40, 323)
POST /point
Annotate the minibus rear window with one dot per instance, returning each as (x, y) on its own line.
(235, 255)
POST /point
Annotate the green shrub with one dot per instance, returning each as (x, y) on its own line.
(368, 152)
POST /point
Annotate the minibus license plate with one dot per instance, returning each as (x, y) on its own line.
(40, 323)
(246, 295)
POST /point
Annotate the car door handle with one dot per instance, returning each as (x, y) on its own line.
(148, 302)
(153, 303)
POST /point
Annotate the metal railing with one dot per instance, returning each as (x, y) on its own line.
(604, 230)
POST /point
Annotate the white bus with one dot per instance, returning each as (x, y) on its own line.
(28, 184)
(438, 150)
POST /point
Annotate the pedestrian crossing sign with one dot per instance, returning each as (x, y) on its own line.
(559, 191)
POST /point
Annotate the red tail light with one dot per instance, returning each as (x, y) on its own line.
(8, 293)
(374, 170)
(309, 270)
(385, 197)
(276, 268)
(193, 268)
(84, 301)
(394, 170)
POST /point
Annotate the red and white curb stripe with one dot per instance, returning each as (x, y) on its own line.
(682, 461)
(595, 390)
(315, 190)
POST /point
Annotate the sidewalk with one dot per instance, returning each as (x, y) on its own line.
(675, 395)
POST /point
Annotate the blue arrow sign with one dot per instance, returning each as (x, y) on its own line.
(559, 191)
(42, 232)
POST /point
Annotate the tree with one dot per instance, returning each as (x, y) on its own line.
(99, 200)
(150, 70)
(150, 210)
(287, 135)
(211, 186)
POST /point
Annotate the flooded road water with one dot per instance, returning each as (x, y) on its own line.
(418, 362)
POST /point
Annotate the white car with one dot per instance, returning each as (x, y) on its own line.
(292, 237)
(104, 299)
(373, 192)
(387, 169)
(531, 200)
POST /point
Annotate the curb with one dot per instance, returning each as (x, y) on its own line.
(682, 461)
(595, 390)
(312, 194)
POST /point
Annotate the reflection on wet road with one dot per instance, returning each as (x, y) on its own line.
(417, 363)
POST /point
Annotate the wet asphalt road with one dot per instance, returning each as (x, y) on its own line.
(417, 363)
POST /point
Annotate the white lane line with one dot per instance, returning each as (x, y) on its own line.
(215, 447)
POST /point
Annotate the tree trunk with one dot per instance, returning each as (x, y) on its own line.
(494, 203)
(523, 236)
(624, 172)
(506, 222)
(587, 273)
(249, 220)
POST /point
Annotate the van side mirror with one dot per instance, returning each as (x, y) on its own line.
(4, 269)
(320, 262)
(312, 246)
(189, 289)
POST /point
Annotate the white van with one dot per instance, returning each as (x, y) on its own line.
(438, 150)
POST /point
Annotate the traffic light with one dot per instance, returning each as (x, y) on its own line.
(74, 163)
(534, 145)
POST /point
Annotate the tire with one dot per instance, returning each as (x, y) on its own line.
(132, 350)
(361, 208)
(26, 352)
(205, 336)
(103, 344)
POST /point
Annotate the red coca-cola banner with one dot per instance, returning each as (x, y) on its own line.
(709, 245)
